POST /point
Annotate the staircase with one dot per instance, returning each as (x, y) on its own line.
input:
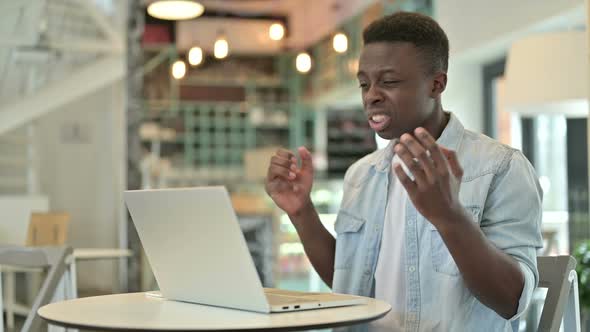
(47, 48)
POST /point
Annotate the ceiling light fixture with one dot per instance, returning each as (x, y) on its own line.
(178, 69)
(276, 31)
(303, 62)
(195, 56)
(175, 9)
(221, 48)
(340, 42)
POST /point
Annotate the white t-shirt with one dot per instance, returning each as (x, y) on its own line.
(390, 282)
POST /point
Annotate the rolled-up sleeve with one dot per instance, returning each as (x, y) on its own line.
(530, 283)
(512, 219)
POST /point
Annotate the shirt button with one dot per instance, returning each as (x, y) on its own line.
(412, 269)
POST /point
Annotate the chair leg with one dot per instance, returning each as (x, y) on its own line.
(60, 294)
(73, 294)
(10, 299)
(34, 281)
(571, 319)
(1, 304)
(71, 286)
(71, 283)
(56, 263)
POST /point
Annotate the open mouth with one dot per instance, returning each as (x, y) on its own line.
(379, 122)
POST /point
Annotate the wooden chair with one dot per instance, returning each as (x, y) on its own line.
(45, 230)
(50, 259)
(48, 229)
(558, 275)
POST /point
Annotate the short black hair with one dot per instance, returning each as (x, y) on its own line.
(418, 29)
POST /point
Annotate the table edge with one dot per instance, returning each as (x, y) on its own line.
(278, 328)
(274, 329)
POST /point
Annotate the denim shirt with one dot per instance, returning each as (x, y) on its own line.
(500, 190)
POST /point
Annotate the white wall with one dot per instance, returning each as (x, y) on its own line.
(463, 95)
(15, 215)
(472, 24)
(481, 32)
(83, 174)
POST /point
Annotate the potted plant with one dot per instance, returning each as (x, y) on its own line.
(582, 255)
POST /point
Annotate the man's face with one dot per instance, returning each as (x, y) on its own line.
(397, 93)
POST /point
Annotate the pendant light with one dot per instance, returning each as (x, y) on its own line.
(221, 47)
(175, 9)
(276, 31)
(340, 42)
(195, 56)
(547, 73)
(303, 62)
(178, 69)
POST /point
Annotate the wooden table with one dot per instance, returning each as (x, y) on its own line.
(136, 311)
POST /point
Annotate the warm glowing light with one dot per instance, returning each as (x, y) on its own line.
(178, 69)
(175, 9)
(340, 43)
(221, 48)
(303, 62)
(276, 31)
(195, 56)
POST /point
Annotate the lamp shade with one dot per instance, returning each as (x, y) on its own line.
(548, 74)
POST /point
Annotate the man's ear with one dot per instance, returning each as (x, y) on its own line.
(439, 84)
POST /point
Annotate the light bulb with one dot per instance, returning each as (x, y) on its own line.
(178, 69)
(303, 62)
(276, 31)
(195, 56)
(340, 42)
(175, 9)
(221, 48)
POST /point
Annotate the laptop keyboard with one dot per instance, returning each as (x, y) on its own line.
(275, 299)
(284, 292)
(279, 296)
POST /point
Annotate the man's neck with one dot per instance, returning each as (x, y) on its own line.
(437, 123)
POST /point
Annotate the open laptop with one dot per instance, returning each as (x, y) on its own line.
(198, 254)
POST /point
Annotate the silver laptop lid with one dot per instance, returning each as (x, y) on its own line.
(194, 244)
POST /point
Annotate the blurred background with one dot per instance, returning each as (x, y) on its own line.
(100, 96)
